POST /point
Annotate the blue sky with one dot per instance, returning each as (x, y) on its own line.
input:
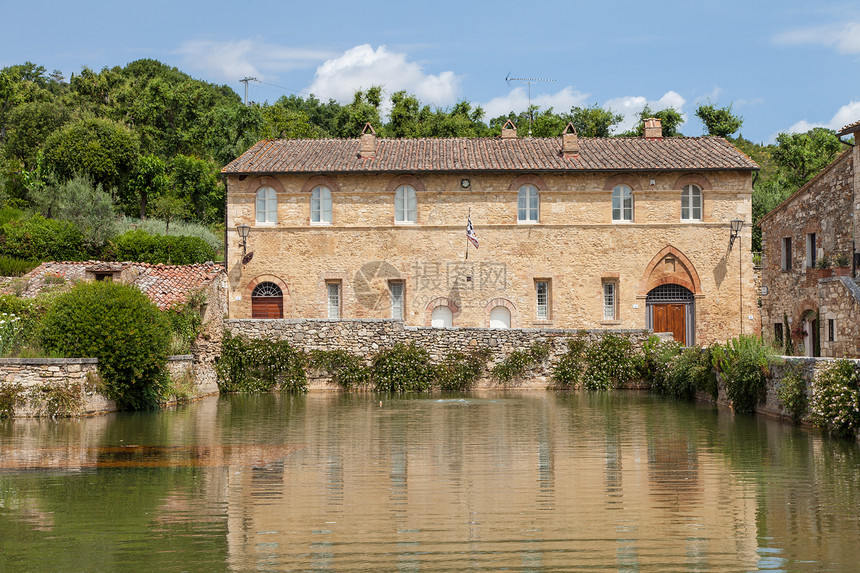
(784, 66)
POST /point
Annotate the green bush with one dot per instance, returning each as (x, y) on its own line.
(345, 369)
(459, 371)
(743, 362)
(654, 364)
(792, 391)
(42, 239)
(141, 247)
(609, 360)
(12, 267)
(568, 370)
(402, 368)
(836, 399)
(260, 365)
(520, 362)
(120, 326)
(154, 226)
(689, 372)
(29, 313)
(185, 322)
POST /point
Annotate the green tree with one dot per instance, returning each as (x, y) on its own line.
(196, 180)
(281, 122)
(670, 119)
(594, 121)
(801, 155)
(100, 149)
(148, 181)
(89, 208)
(351, 119)
(120, 326)
(719, 121)
(29, 125)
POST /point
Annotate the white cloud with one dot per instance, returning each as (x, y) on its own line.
(229, 61)
(517, 100)
(846, 114)
(631, 106)
(362, 67)
(844, 38)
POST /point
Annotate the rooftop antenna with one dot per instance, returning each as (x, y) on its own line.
(245, 81)
(528, 82)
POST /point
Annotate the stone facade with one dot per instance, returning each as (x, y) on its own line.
(33, 380)
(573, 248)
(819, 310)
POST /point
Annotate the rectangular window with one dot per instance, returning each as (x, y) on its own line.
(333, 292)
(396, 289)
(786, 253)
(609, 301)
(831, 330)
(777, 332)
(811, 250)
(542, 292)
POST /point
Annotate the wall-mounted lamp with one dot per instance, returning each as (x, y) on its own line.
(737, 225)
(244, 231)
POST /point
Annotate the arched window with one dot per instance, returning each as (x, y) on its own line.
(267, 301)
(442, 317)
(691, 203)
(321, 205)
(527, 204)
(267, 205)
(500, 317)
(405, 205)
(622, 203)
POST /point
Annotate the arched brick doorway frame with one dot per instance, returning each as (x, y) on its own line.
(285, 292)
(671, 267)
(436, 303)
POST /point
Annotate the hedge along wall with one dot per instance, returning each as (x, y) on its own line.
(363, 337)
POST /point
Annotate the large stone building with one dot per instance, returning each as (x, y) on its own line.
(817, 307)
(574, 232)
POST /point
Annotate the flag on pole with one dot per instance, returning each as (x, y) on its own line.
(470, 232)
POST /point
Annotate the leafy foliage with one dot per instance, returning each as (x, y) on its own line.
(520, 362)
(459, 371)
(185, 321)
(139, 246)
(260, 365)
(38, 238)
(402, 368)
(719, 121)
(743, 362)
(792, 391)
(121, 327)
(609, 361)
(836, 399)
(346, 370)
(11, 396)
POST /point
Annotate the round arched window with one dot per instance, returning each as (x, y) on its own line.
(500, 317)
(267, 301)
(442, 317)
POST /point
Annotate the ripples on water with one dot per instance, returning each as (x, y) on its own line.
(525, 482)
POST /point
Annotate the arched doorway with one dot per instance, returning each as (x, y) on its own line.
(811, 337)
(671, 308)
(500, 317)
(267, 301)
(442, 317)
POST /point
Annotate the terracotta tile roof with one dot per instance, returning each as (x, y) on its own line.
(490, 154)
(165, 285)
(850, 128)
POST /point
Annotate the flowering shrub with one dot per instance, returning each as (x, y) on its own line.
(260, 365)
(11, 395)
(792, 392)
(654, 363)
(609, 361)
(10, 332)
(569, 368)
(402, 368)
(519, 362)
(345, 369)
(836, 399)
(459, 371)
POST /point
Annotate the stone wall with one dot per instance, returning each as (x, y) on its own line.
(364, 337)
(36, 382)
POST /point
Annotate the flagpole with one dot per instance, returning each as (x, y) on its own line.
(467, 236)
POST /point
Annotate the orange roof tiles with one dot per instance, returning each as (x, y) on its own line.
(490, 154)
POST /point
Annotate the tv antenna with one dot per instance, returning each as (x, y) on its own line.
(245, 81)
(528, 82)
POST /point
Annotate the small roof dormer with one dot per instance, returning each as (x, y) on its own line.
(367, 145)
(509, 130)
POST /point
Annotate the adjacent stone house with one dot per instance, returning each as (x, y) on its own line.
(817, 307)
(573, 232)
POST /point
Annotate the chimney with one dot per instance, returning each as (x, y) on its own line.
(367, 145)
(509, 130)
(569, 142)
(653, 128)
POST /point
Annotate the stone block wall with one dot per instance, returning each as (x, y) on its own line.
(34, 381)
(364, 337)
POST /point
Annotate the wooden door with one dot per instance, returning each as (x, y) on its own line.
(671, 318)
(267, 307)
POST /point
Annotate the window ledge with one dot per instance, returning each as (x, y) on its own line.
(407, 223)
(542, 322)
(610, 322)
(313, 224)
(527, 222)
(622, 222)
